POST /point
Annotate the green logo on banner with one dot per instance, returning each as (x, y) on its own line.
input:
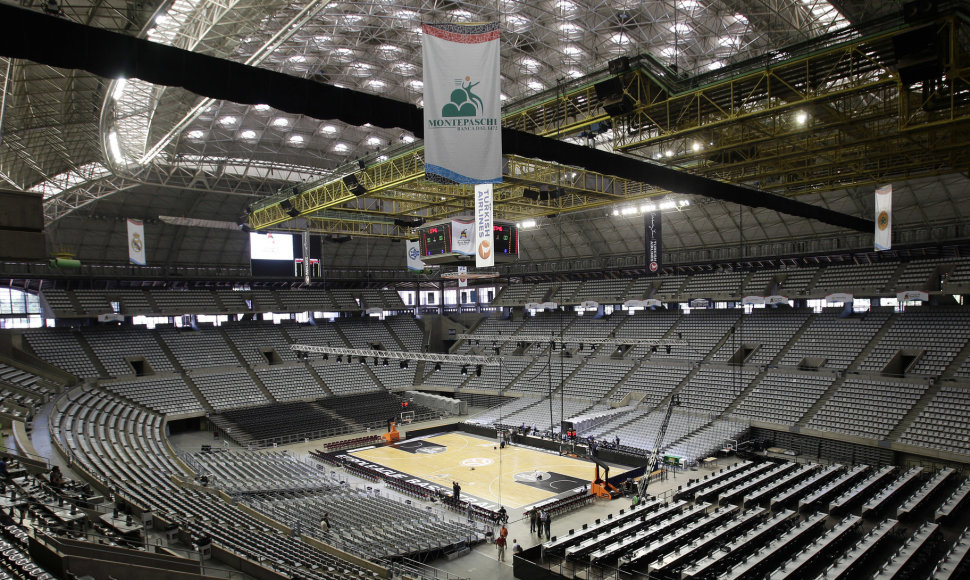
(464, 103)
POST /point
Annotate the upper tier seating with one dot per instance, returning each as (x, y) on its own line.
(115, 346)
(254, 339)
(345, 377)
(867, 408)
(61, 348)
(836, 340)
(200, 348)
(169, 395)
(784, 396)
(229, 389)
(655, 379)
(767, 330)
(870, 278)
(368, 332)
(596, 378)
(937, 333)
(714, 284)
(182, 301)
(713, 388)
(945, 422)
(290, 382)
(796, 281)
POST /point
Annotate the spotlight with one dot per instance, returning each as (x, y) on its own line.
(404, 364)
(464, 370)
(478, 371)
(385, 362)
(668, 349)
(653, 349)
(326, 356)
(437, 366)
(361, 361)
(339, 358)
(375, 361)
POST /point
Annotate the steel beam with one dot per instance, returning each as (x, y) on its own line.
(461, 359)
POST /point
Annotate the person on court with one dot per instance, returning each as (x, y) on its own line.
(500, 543)
(547, 523)
(533, 520)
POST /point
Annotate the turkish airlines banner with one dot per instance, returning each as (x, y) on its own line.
(653, 235)
(884, 217)
(136, 242)
(462, 103)
(484, 229)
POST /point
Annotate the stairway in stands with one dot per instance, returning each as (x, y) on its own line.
(183, 372)
(915, 411)
(747, 391)
(834, 388)
(316, 376)
(103, 372)
(873, 343)
(793, 340)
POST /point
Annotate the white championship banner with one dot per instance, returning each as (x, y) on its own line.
(414, 256)
(462, 103)
(462, 237)
(136, 242)
(884, 217)
(484, 228)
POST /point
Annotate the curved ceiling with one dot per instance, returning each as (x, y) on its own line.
(210, 159)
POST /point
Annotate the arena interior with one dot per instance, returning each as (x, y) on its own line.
(327, 413)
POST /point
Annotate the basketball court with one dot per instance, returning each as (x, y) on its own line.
(515, 477)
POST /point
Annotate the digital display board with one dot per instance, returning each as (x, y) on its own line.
(506, 239)
(270, 246)
(275, 255)
(436, 240)
(440, 242)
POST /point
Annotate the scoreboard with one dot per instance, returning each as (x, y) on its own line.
(453, 241)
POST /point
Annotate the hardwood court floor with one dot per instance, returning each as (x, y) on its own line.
(507, 477)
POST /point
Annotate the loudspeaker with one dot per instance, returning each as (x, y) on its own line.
(620, 65)
(920, 54)
(353, 185)
(615, 101)
(919, 10)
(286, 205)
(293, 212)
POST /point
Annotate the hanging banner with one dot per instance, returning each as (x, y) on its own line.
(462, 276)
(839, 297)
(753, 300)
(136, 242)
(462, 103)
(653, 233)
(652, 303)
(633, 303)
(884, 217)
(699, 303)
(776, 299)
(462, 237)
(414, 256)
(912, 295)
(484, 229)
(589, 305)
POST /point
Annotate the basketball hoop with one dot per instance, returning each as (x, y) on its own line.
(469, 275)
